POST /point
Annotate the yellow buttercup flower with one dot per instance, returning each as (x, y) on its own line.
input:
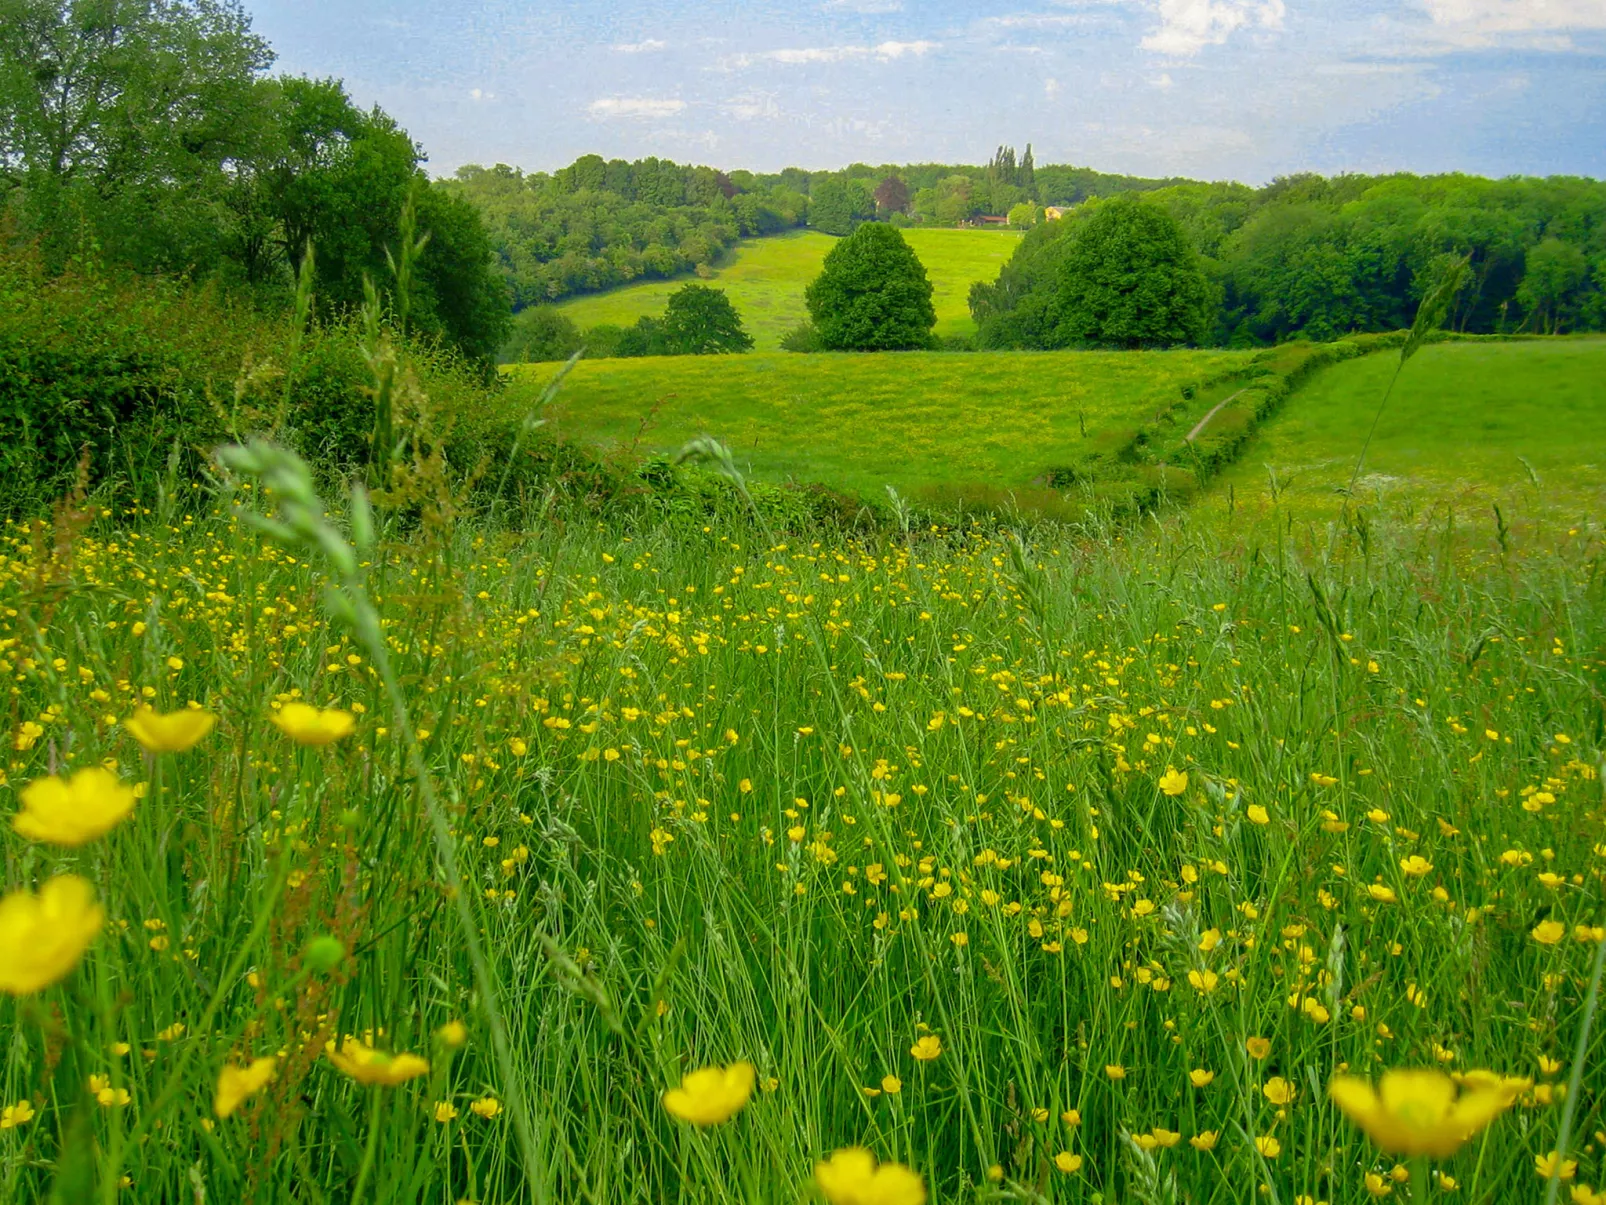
(73, 811)
(1279, 1091)
(712, 1095)
(445, 1111)
(1200, 1078)
(852, 1177)
(1420, 1112)
(453, 1034)
(487, 1107)
(43, 936)
(100, 1087)
(369, 1066)
(235, 1085)
(891, 1085)
(1552, 1166)
(1549, 932)
(1173, 782)
(175, 732)
(1068, 1163)
(307, 725)
(19, 1114)
(1258, 1048)
(1205, 1141)
(927, 1048)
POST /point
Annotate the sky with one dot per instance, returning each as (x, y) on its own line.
(1213, 89)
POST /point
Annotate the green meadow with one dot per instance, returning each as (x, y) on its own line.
(766, 278)
(913, 420)
(1471, 424)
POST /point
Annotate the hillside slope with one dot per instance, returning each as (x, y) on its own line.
(766, 278)
(918, 421)
(1470, 423)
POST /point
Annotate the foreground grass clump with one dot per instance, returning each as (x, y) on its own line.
(765, 279)
(1062, 871)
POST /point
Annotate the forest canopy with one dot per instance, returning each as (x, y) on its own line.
(1321, 258)
(152, 138)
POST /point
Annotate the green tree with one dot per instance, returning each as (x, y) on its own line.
(1130, 279)
(831, 206)
(542, 333)
(954, 200)
(701, 321)
(1552, 282)
(123, 114)
(1023, 216)
(337, 177)
(872, 294)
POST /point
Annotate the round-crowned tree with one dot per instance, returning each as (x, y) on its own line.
(700, 321)
(1131, 279)
(872, 294)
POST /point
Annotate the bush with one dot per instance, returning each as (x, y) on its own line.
(541, 333)
(802, 338)
(127, 370)
(872, 294)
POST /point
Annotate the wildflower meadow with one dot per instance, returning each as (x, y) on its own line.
(364, 856)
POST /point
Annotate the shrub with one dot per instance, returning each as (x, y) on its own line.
(127, 370)
(802, 338)
(541, 333)
(872, 294)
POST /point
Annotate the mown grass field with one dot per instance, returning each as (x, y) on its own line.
(862, 422)
(766, 278)
(1469, 424)
(1061, 873)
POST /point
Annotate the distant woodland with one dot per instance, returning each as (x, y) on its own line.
(1303, 255)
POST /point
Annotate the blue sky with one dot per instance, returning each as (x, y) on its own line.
(1241, 89)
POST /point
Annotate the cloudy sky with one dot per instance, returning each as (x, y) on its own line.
(1243, 89)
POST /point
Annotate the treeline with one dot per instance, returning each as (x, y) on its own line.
(1320, 258)
(150, 138)
(599, 223)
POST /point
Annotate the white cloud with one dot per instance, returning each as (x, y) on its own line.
(639, 108)
(885, 52)
(1188, 26)
(754, 106)
(646, 47)
(1051, 89)
(480, 94)
(1517, 16)
(897, 50)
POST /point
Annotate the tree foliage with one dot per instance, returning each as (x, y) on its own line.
(700, 321)
(601, 223)
(1327, 257)
(892, 195)
(148, 135)
(872, 294)
(542, 333)
(1130, 279)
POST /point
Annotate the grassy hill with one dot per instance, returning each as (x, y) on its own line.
(1467, 422)
(765, 279)
(917, 421)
